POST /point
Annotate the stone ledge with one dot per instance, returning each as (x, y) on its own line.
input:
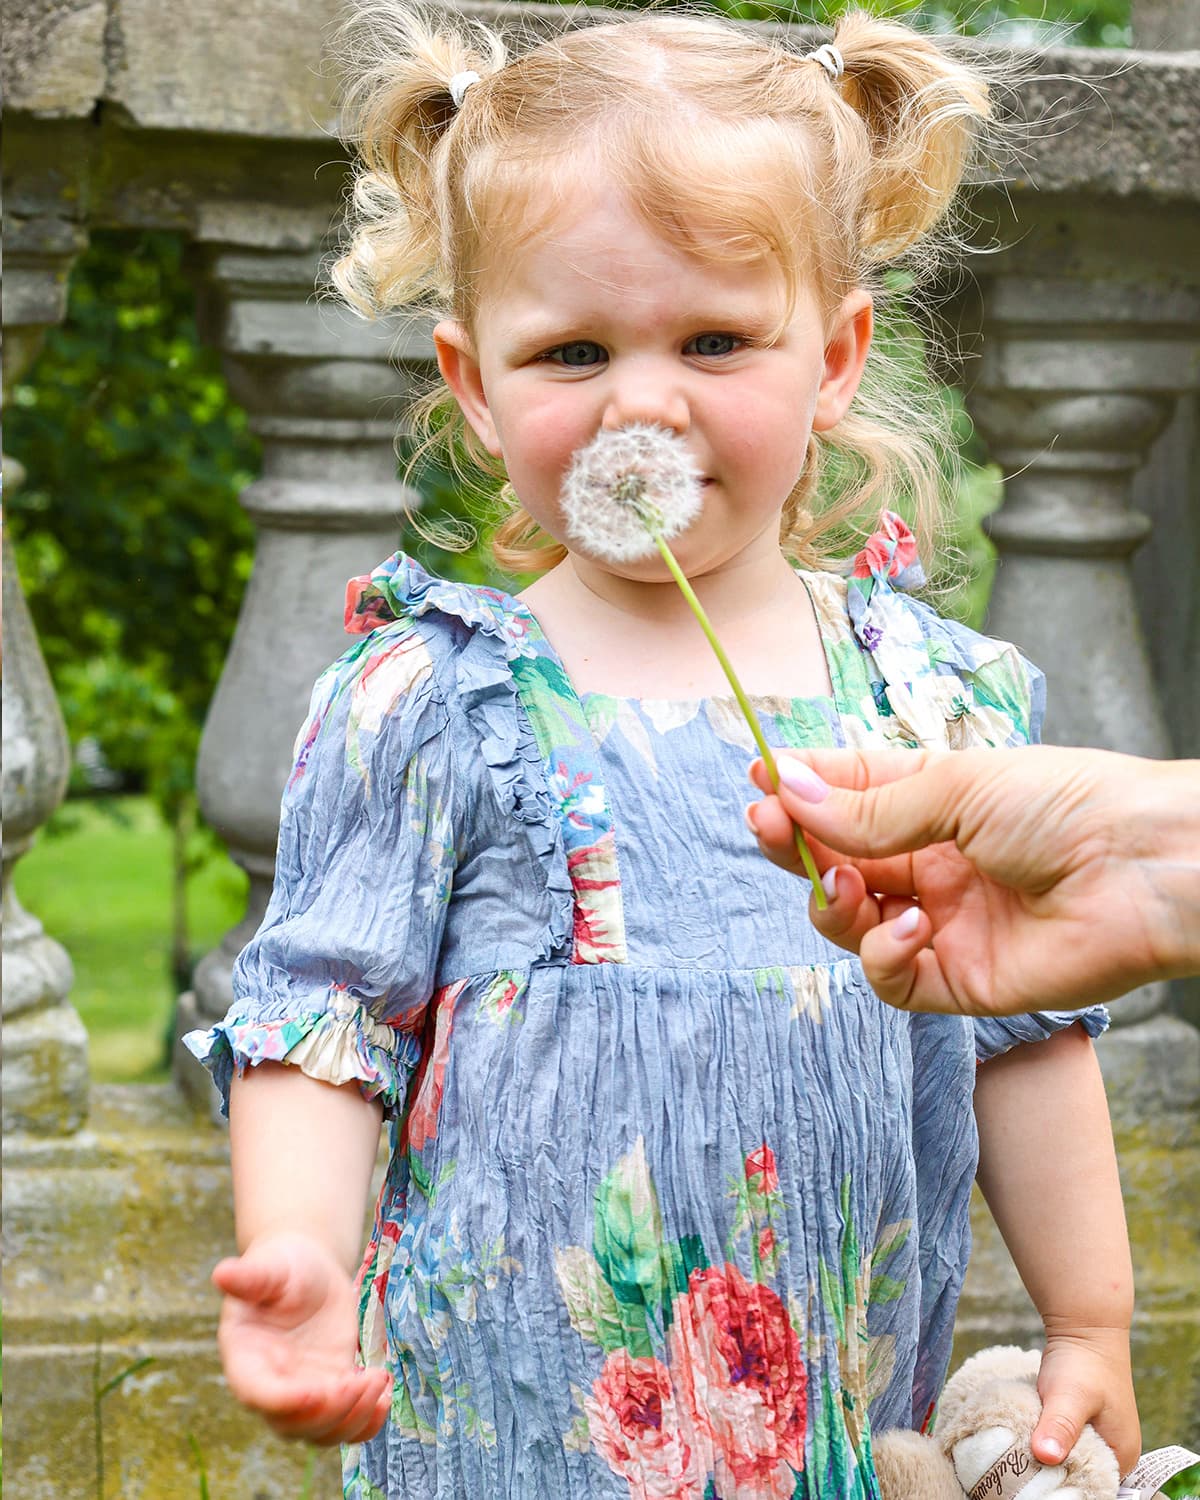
(1122, 123)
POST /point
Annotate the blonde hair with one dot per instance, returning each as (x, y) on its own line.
(732, 144)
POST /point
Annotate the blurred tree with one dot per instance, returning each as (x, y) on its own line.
(1081, 23)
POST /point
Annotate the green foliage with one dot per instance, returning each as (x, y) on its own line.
(1185, 1485)
(132, 548)
(1081, 23)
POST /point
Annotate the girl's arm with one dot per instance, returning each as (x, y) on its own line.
(1048, 1169)
(303, 1152)
(302, 1158)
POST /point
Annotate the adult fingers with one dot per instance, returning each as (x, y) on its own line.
(770, 824)
(890, 809)
(853, 770)
(901, 969)
(852, 911)
(775, 823)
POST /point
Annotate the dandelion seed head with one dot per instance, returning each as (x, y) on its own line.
(627, 487)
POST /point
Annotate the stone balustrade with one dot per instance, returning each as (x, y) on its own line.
(218, 123)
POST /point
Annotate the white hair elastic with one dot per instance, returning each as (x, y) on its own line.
(830, 59)
(459, 85)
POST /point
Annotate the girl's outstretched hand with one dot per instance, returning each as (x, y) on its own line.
(993, 882)
(288, 1337)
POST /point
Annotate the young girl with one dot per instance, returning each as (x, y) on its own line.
(675, 1207)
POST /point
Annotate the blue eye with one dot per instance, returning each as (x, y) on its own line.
(577, 355)
(713, 345)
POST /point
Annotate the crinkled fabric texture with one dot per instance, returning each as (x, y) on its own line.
(675, 1208)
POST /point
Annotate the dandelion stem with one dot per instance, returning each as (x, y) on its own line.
(685, 588)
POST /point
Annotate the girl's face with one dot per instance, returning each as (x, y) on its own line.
(603, 323)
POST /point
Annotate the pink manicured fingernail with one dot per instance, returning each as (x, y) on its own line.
(750, 823)
(829, 882)
(906, 924)
(799, 778)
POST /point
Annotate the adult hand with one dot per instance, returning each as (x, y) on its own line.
(288, 1336)
(992, 882)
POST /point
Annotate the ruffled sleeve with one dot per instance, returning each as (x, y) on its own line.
(995, 1035)
(337, 978)
(941, 685)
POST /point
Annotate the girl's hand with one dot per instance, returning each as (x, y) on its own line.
(1085, 1377)
(288, 1337)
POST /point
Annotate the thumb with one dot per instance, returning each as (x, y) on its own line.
(1065, 1411)
(250, 1280)
(882, 817)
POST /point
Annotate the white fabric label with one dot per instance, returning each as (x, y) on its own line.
(1153, 1470)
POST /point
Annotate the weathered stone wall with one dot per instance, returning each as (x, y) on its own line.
(216, 120)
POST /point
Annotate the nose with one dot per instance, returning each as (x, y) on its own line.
(646, 391)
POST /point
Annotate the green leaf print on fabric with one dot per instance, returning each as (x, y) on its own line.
(847, 671)
(406, 1418)
(500, 1001)
(806, 725)
(591, 1305)
(547, 693)
(359, 1487)
(629, 1244)
(1002, 685)
(804, 989)
(865, 1363)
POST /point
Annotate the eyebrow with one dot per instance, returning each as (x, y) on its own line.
(543, 333)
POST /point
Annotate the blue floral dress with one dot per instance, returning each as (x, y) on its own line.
(675, 1207)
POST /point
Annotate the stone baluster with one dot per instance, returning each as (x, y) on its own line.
(1076, 380)
(45, 1046)
(323, 395)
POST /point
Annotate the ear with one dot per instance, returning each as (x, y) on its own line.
(460, 370)
(845, 357)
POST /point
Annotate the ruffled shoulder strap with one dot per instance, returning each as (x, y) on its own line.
(943, 684)
(532, 735)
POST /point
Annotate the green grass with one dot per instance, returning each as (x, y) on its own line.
(1185, 1485)
(99, 880)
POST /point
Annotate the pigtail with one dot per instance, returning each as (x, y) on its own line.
(923, 110)
(398, 112)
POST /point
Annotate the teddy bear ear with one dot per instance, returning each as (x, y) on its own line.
(910, 1466)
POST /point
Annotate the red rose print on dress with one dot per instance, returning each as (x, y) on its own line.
(737, 1366)
(635, 1424)
(421, 1124)
(762, 1175)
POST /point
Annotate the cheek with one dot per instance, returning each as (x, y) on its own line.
(539, 433)
(770, 432)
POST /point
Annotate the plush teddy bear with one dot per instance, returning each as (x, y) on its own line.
(985, 1421)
